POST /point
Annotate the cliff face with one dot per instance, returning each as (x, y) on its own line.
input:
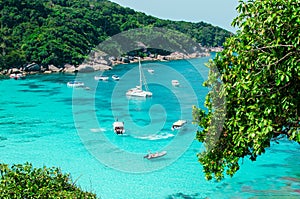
(60, 32)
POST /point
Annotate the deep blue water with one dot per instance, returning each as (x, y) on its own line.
(45, 122)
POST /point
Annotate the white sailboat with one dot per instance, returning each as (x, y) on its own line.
(138, 90)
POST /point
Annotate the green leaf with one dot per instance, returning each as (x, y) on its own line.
(261, 85)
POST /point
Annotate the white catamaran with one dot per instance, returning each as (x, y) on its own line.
(138, 90)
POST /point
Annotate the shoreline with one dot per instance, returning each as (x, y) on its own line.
(102, 63)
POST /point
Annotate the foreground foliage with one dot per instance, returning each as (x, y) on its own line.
(65, 31)
(24, 181)
(255, 97)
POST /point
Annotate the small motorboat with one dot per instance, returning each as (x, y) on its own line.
(75, 84)
(119, 127)
(178, 124)
(175, 82)
(155, 155)
(115, 77)
(151, 71)
(101, 77)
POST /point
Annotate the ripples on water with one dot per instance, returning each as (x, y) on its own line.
(44, 122)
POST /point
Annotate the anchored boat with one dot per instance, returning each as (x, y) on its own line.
(178, 124)
(175, 82)
(115, 77)
(138, 90)
(119, 127)
(75, 84)
(155, 155)
(101, 77)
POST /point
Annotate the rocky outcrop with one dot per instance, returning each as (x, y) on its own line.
(68, 68)
(101, 61)
(84, 68)
(179, 55)
(13, 70)
(53, 68)
(33, 67)
(215, 49)
(102, 67)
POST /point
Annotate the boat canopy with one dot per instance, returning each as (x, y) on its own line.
(119, 124)
(179, 123)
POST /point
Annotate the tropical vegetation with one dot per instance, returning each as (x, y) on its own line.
(65, 31)
(25, 181)
(254, 83)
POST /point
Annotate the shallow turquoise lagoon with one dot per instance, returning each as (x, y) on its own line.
(44, 122)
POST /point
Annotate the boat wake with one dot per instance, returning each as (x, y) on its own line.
(97, 130)
(160, 136)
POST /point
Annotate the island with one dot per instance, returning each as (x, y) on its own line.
(59, 36)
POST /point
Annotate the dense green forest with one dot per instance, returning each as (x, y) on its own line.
(64, 31)
(25, 181)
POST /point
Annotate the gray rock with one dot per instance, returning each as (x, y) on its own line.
(13, 70)
(126, 60)
(112, 58)
(101, 67)
(83, 68)
(101, 61)
(33, 67)
(68, 68)
(54, 68)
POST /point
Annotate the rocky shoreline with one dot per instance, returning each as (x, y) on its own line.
(100, 62)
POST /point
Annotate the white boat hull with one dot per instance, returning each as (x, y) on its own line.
(151, 71)
(155, 155)
(119, 128)
(138, 91)
(102, 78)
(175, 83)
(115, 77)
(177, 125)
(75, 84)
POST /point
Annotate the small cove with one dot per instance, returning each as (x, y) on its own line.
(45, 122)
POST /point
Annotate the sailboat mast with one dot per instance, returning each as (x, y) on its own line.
(140, 69)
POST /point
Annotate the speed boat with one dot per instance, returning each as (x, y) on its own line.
(151, 71)
(175, 82)
(75, 84)
(178, 124)
(155, 155)
(119, 127)
(101, 77)
(115, 77)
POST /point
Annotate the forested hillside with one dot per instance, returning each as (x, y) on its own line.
(64, 31)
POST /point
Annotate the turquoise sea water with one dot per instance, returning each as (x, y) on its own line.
(45, 122)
